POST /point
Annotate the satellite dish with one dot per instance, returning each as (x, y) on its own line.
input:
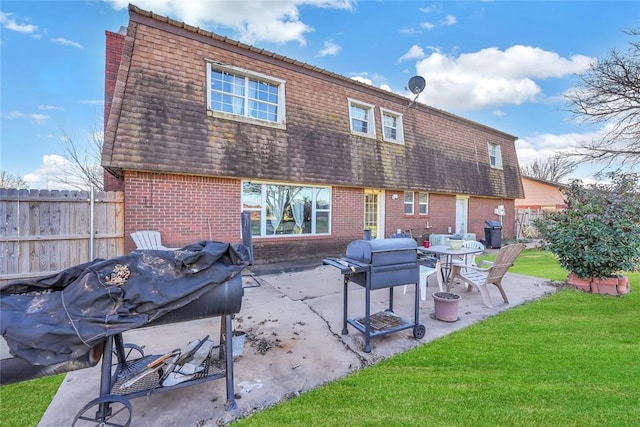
(416, 84)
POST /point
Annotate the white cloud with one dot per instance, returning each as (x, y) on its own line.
(414, 52)
(93, 101)
(492, 77)
(330, 48)
(50, 174)
(7, 21)
(34, 117)
(66, 42)
(252, 20)
(49, 107)
(427, 25)
(449, 20)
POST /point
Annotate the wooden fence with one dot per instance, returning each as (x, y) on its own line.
(45, 231)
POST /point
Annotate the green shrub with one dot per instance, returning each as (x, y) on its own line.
(597, 235)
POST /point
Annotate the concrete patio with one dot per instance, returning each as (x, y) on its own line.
(292, 317)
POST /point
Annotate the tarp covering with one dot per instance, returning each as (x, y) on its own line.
(62, 316)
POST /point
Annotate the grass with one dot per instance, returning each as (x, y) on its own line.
(23, 404)
(568, 359)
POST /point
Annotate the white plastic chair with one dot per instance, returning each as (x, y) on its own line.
(149, 239)
(425, 273)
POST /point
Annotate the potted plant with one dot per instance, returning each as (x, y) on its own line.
(596, 237)
(446, 306)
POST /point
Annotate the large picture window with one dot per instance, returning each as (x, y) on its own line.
(281, 210)
(245, 94)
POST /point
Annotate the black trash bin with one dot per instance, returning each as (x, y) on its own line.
(493, 234)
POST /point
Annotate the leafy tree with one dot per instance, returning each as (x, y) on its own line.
(609, 94)
(552, 169)
(8, 180)
(597, 234)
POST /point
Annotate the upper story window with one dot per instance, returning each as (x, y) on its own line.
(392, 126)
(408, 202)
(423, 203)
(495, 155)
(242, 94)
(361, 118)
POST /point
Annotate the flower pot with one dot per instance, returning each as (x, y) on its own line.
(446, 306)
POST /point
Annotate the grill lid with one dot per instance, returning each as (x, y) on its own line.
(365, 250)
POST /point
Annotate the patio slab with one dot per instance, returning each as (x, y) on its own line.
(292, 317)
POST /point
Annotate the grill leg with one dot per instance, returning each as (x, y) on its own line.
(367, 316)
(104, 409)
(345, 331)
(227, 327)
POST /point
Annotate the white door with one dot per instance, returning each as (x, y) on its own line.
(462, 214)
(373, 213)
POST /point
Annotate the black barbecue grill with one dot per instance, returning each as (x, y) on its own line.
(379, 264)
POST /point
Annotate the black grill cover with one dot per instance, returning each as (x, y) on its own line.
(62, 316)
(383, 251)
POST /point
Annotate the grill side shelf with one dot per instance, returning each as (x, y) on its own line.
(346, 265)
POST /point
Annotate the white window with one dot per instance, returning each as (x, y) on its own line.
(495, 155)
(237, 93)
(392, 126)
(408, 203)
(424, 203)
(286, 210)
(361, 118)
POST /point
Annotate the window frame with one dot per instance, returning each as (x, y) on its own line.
(399, 139)
(262, 209)
(421, 203)
(409, 203)
(248, 75)
(371, 120)
(495, 155)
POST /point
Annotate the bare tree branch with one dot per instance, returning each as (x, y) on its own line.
(82, 169)
(552, 169)
(609, 94)
(8, 180)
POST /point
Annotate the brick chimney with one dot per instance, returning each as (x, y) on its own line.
(115, 45)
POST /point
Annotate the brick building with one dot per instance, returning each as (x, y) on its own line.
(199, 128)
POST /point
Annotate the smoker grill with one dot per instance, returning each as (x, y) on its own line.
(163, 287)
(378, 264)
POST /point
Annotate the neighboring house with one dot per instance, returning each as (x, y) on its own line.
(200, 128)
(540, 194)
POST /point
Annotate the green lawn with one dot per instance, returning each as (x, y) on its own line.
(568, 359)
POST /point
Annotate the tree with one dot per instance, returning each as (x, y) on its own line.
(82, 169)
(552, 169)
(609, 94)
(597, 235)
(8, 180)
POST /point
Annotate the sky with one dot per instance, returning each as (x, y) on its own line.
(505, 64)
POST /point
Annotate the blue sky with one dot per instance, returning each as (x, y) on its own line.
(505, 64)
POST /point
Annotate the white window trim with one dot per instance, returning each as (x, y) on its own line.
(399, 129)
(426, 204)
(371, 122)
(281, 120)
(495, 150)
(413, 202)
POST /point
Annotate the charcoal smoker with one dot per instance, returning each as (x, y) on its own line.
(378, 264)
(198, 281)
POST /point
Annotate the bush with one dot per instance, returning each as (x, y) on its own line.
(597, 235)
